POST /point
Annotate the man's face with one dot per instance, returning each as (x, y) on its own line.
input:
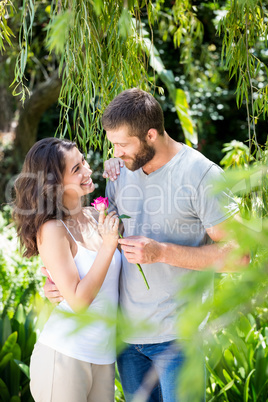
(135, 153)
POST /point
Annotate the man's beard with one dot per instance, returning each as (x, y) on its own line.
(146, 153)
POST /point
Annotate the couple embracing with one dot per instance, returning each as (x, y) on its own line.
(175, 228)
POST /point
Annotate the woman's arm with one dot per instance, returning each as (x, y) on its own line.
(54, 249)
(112, 168)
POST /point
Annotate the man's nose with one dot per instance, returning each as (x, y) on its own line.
(117, 152)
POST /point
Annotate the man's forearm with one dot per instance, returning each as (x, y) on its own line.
(143, 250)
(196, 258)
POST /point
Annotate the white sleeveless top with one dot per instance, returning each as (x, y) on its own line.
(95, 342)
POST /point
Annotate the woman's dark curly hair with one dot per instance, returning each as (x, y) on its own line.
(39, 190)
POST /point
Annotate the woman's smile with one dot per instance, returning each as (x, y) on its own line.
(87, 182)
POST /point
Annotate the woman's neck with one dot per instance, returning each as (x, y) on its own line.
(74, 207)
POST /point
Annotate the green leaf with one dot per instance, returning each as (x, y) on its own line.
(261, 367)
(58, 31)
(6, 329)
(183, 112)
(125, 23)
(242, 372)
(246, 386)
(243, 327)
(231, 383)
(229, 358)
(4, 361)
(20, 314)
(124, 217)
(23, 367)
(15, 398)
(5, 396)
(21, 336)
(15, 375)
(9, 344)
(31, 340)
(216, 376)
(16, 351)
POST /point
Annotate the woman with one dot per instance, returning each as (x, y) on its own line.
(82, 259)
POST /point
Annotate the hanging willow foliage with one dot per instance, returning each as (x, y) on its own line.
(244, 25)
(5, 31)
(98, 61)
(104, 54)
(102, 48)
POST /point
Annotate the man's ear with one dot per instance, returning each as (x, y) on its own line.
(152, 135)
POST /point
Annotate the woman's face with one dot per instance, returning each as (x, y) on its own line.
(76, 179)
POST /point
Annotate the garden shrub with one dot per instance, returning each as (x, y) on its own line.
(20, 278)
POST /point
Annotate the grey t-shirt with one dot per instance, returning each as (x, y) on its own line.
(174, 204)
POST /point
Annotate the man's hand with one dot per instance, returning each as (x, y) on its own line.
(141, 250)
(112, 168)
(50, 289)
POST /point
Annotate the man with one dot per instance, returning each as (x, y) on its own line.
(174, 219)
(175, 227)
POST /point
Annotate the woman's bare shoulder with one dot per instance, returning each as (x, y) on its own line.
(53, 240)
(52, 228)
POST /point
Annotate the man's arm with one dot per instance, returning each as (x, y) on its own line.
(142, 250)
(50, 289)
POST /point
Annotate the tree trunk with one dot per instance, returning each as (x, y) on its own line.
(42, 98)
(6, 109)
(7, 101)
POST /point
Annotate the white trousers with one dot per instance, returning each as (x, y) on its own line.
(59, 378)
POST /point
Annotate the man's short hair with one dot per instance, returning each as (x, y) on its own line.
(138, 110)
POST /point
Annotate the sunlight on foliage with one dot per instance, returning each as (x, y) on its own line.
(5, 31)
(58, 32)
(102, 48)
(227, 324)
(20, 278)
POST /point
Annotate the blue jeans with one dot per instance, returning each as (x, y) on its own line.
(150, 372)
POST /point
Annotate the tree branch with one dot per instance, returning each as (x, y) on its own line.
(42, 98)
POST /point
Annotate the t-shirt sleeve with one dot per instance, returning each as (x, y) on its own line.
(110, 193)
(214, 206)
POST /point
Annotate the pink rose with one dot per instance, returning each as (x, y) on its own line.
(104, 201)
(100, 201)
